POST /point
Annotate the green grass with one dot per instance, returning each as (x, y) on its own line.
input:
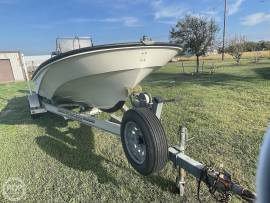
(62, 161)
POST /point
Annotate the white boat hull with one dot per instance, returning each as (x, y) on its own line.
(100, 78)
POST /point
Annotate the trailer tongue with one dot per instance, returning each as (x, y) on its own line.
(220, 184)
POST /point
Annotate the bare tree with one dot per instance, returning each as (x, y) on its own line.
(195, 35)
(257, 56)
(236, 48)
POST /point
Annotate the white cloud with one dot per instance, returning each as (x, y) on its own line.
(168, 12)
(80, 20)
(168, 22)
(256, 18)
(209, 14)
(234, 7)
(162, 11)
(128, 21)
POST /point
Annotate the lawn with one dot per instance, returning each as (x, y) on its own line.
(226, 113)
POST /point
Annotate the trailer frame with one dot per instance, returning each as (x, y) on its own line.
(216, 181)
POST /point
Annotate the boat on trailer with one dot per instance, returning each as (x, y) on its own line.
(102, 77)
(99, 76)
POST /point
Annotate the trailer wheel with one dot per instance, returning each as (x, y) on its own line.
(144, 141)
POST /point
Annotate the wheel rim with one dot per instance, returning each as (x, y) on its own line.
(135, 143)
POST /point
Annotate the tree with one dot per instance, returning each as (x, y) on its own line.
(250, 46)
(236, 48)
(195, 35)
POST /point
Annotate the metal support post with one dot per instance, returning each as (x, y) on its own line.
(180, 180)
(157, 106)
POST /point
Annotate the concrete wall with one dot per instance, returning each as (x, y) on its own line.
(16, 64)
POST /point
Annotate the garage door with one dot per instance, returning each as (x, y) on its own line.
(6, 73)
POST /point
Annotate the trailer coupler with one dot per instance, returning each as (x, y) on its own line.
(219, 183)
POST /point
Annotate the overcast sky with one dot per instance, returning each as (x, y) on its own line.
(31, 26)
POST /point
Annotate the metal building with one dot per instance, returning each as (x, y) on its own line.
(11, 66)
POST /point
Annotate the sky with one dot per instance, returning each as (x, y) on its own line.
(32, 26)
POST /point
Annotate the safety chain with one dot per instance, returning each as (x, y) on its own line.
(224, 196)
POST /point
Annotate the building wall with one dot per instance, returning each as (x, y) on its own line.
(6, 73)
(16, 64)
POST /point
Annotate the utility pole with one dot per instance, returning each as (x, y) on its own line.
(224, 28)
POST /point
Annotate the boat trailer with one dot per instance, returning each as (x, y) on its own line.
(220, 183)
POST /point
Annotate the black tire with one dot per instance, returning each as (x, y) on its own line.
(155, 142)
(115, 108)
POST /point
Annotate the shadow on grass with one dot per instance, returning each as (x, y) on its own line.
(24, 91)
(205, 79)
(73, 147)
(263, 72)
